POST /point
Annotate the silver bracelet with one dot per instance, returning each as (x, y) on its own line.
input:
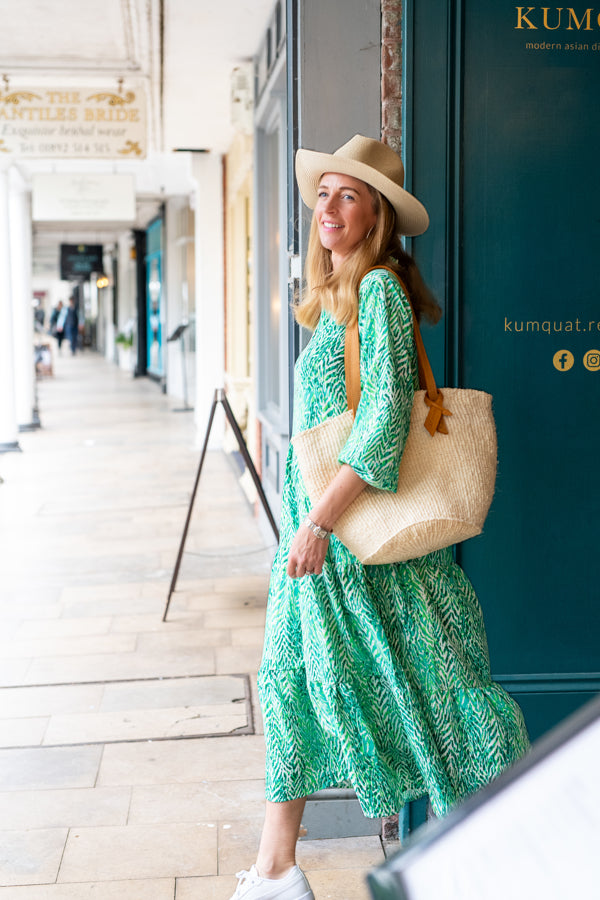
(316, 529)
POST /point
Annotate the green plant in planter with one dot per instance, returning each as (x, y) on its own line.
(125, 340)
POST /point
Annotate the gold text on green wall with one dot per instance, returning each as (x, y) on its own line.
(555, 18)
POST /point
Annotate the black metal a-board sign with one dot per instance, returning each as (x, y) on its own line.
(219, 397)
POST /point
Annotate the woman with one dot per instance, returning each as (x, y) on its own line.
(372, 676)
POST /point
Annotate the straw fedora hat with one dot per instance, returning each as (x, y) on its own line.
(372, 162)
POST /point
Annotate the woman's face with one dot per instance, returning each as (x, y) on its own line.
(344, 214)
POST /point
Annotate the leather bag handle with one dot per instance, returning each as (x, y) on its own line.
(433, 396)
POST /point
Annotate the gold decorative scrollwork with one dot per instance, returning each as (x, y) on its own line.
(113, 99)
(131, 147)
(17, 97)
(2, 148)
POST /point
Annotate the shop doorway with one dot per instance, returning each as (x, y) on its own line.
(154, 294)
(502, 150)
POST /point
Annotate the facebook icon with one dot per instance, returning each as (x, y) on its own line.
(563, 360)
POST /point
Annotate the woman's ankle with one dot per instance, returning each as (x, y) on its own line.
(274, 869)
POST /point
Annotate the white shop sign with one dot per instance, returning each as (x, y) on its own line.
(83, 198)
(62, 123)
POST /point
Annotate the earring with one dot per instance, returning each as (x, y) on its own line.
(369, 232)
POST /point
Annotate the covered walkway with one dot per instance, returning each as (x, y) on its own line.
(132, 758)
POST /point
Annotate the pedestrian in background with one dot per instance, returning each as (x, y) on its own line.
(57, 323)
(375, 676)
(72, 325)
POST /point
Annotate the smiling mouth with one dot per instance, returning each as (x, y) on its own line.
(330, 225)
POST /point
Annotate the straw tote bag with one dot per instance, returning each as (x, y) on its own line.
(447, 472)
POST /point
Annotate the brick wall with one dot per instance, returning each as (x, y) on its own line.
(391, 73)
(391, 133)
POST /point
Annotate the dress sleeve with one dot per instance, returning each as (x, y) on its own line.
(388, 375)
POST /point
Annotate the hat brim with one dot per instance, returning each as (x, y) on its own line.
(411, 216)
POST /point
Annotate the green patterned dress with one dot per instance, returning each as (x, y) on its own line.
(376, 676)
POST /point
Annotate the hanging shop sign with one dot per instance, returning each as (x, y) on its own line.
(83, 198)
(78, 261)
(62, 123)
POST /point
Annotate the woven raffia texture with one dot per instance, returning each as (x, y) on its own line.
(445, 487)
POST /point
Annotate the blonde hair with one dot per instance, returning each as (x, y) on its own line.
(337, 292)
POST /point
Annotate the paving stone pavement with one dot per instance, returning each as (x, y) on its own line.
(131, 753)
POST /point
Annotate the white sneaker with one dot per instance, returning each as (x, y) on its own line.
(293, 886)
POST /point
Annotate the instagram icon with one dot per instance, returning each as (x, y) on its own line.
(591, 360)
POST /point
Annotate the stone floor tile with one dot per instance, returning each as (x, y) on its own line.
(238, 844)
(335, 884)
(230, 660)
(31, 857)
(153, 624)
(180, 762)
(23, 732)
(192, 601)
(245, 559)
(13, 671)
(77, 807)
(157, 589)
(222, 534)
(242, 584)
(64, 628)
(145, 724)
(46, 768)
(139, 889)
(94, 593)
(235, 618)
(191, 639)
(30, 610)
(212, 689)
(10, 628)
(341, 853)
(220, 887)
(84, 645)
(64, 507)
(25, 601)
(22, 593)
(200, 802)
(247, 637)
(48, 701)
(138, 851)
(117, 667)
(112, 606)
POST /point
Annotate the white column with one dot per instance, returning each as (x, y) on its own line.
(110, 349)
(8, 413)
(210, 300)
(21, 291)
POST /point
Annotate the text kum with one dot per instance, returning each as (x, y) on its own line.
(552, 18)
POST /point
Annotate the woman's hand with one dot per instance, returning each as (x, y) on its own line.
(307, 554)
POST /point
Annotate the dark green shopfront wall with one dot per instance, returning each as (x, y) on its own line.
(504, 145)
